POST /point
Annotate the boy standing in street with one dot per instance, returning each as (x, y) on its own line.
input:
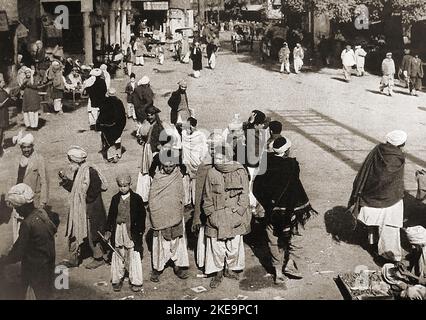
(125, 228)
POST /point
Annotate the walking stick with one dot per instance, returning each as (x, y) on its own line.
(110, 246)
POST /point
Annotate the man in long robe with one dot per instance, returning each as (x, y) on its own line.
(87, 215)
(142, 98)
(31, 171)
(112, 121)
(179, 105)
(281, 193)
(377, 195)
(194, 148)
(152, 134)
(166, 216)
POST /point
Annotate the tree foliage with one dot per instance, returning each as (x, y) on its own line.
(344, 11)
(233, 8)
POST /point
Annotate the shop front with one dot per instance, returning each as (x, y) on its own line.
(150, 16)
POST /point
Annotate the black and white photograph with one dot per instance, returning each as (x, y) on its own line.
(228, 152)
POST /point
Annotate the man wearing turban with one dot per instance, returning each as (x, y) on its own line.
(87, 215)
(377, 194)
(282, 195)
(35, 247)
(111, 122)
(33, 172)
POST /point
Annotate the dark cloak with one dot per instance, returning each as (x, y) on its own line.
(97, 92)
(279, 190)
(380, 181)
(112, 119)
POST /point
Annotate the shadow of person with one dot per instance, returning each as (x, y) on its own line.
(5, 210)
(341, 225)
(414, 211)
(257, 241)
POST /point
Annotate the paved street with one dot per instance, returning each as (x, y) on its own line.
(332, 126)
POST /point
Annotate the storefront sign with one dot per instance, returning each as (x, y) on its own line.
(4, 23)
(158, 6)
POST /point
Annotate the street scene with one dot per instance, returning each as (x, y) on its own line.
(208, 165)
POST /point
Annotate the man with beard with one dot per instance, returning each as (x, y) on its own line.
(152, 134)
(96, 88)
(281, 193)
(377, 195)
(35, 247)
(166, 215)
(31, 171)
(142, 97)
(87, 215)
(112, 121)
(226, 207)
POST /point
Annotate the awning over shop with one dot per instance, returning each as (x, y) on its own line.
(253, 7)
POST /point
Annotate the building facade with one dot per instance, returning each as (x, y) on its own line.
(89, 26)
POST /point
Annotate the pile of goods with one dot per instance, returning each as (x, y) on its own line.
(367, 284)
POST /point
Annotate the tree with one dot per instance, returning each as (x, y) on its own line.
(345, 11)
(233, 8)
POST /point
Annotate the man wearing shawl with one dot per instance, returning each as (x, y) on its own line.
(111, 122)
(377, 194)
(166, 216)
(194, 148)
(178, 103)
(31, 171)
(31, 99)
(35, 247)
(152, 134)
(281, 193)
(96, 88)
(87, 215)
(142, 98)
(225, 203)
(56, 80)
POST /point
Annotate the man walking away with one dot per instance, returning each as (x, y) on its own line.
(377, 195)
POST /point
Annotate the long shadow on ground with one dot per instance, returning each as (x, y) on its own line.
(340, 224)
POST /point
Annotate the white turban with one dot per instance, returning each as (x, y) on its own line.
(96, 72)
(396, 137)
(103, 67)
(19, 195)
(143, 81)
(77, 154)
(20, 139)
(281, 149)
(416, 235)
(112, 92)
